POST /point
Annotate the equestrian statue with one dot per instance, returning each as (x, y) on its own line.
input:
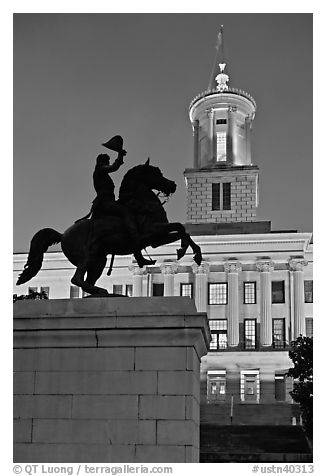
(126, 226)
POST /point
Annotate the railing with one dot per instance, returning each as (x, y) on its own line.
(209, 92)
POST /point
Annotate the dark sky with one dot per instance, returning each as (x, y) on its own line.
(79, 79)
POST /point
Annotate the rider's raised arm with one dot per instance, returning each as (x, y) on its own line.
(116, 164)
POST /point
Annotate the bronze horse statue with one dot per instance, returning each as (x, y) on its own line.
(87, 242)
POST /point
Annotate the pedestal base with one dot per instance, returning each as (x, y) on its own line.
(107, 380)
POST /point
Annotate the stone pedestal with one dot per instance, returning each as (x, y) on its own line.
(107, 380)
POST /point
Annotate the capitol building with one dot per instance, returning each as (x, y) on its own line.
(254, 283)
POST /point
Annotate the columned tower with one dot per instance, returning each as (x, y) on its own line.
(222, 186)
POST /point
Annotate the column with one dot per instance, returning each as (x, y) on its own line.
(296, 265)
(201, 273)
(168, 270)
(265, 267)
(248, 139)
(196, 143)
(232, 268)
(230, 135)
(211, 135)
(137, 278)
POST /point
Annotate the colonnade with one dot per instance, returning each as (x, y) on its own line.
(233, 268)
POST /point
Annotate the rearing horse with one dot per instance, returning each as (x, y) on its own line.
(87, 243)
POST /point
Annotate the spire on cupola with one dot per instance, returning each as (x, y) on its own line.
(218, 77)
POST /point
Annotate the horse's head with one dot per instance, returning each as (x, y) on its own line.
(152, 177)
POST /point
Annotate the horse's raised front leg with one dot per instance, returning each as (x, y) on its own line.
(196, 249)
(186, 241)
(179, 228)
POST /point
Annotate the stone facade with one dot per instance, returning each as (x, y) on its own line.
(244, 194)
(103, 380)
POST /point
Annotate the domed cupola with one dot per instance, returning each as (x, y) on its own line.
(221, 117)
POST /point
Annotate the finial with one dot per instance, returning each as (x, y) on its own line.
(222, 78)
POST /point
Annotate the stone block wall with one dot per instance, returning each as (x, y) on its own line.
(107, 380)
(244, 198)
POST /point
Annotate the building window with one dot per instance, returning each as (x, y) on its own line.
(249, 386)
(218, 329)
(249, 292)
(158, 289)
(117, 289)
(74, 292)
(221, 146)
(186, 289)
(221, 196)
(250, 333)
(226, 187)
(280, 386)
(216, 386)
(308, 296)
(40, 289)
(216, 196)
(221, 121)
(129, 290)
(278, 333)
(217, 293)
(309, 327)
(278, 294)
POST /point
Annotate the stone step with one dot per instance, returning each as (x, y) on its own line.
(253, 443)
(250, 414)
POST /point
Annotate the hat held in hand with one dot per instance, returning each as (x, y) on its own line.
(115, 144)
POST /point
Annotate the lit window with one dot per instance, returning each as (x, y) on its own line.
(249, 385)
(217, 293)
(129, 290)
(186, 289)
(309, 327)
(216, 385)
(221, 146)
(45, 290)
(249, 292)
(42, 289)
(278, 334)
(278, 295)
(218, 328)
(250, 333)
(308, 294)
(117, 289)
(74, 292)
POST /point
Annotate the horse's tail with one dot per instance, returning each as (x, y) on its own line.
(39, 245)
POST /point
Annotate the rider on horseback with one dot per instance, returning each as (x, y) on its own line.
(105, 203)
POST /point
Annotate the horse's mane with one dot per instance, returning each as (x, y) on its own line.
(133, 172)
(130, 180)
